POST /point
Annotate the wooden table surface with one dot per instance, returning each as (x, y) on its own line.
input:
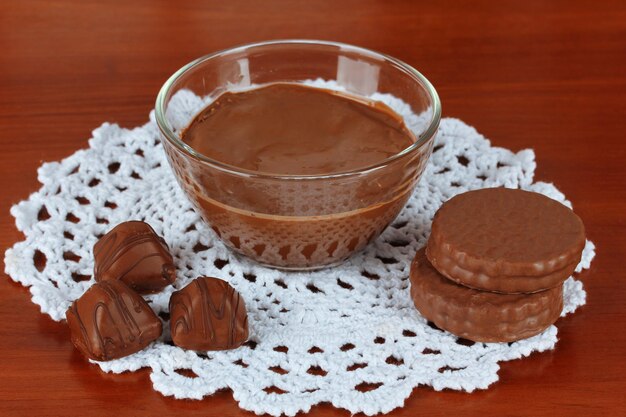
(550, 75)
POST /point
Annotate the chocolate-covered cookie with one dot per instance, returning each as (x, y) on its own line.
(110, 321)
(134, 253)
(505, 240)
(480, 315)
(208, 314)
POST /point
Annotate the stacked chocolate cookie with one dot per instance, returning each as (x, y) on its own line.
(495, 263)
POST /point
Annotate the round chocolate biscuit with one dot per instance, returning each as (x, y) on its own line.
(505, 240)
(481, 316)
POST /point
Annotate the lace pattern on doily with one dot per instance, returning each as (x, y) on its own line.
(347, 335)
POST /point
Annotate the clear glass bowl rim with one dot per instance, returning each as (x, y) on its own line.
(169, 134)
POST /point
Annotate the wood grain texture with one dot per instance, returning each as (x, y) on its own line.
(550, 75)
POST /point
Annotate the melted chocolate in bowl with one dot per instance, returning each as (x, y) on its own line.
(296, 130)
(291, 129)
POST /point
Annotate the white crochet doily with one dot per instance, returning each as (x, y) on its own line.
(348, 335)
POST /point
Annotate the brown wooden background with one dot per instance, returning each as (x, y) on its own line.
(550, 75)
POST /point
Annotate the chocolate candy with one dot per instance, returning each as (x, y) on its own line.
(480, 315)
(508, 241)
(110, 321)
(134, 253)
(208, 314)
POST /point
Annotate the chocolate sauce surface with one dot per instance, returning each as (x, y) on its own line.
(292, 129)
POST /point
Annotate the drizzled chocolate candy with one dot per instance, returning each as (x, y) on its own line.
(208, 314)
(110, 321)
(132, 252)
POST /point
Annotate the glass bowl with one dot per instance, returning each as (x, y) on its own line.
(298, 222)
